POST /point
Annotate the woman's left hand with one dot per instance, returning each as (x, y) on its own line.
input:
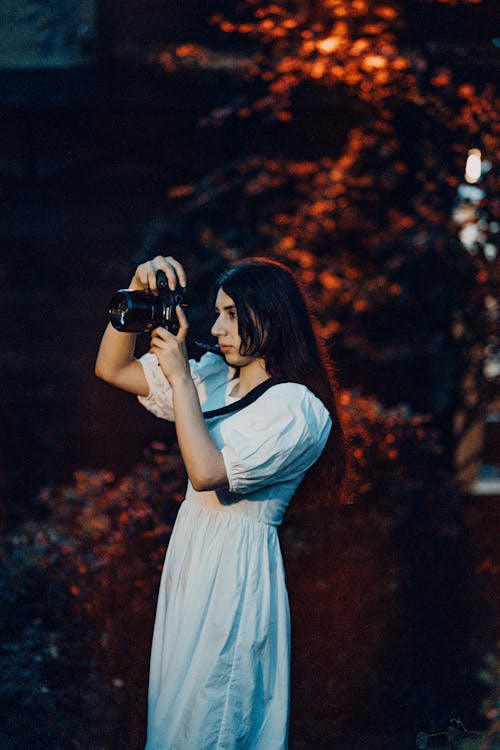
(170, 350)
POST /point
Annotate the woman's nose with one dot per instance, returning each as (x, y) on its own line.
(217, 328)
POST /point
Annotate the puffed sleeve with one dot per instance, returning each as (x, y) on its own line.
(209, 375)
(277, 439)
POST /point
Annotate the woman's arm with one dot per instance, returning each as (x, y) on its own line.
(116, 363)
(203, 461)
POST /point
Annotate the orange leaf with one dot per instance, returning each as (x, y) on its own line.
(328, 45)
(179, 191)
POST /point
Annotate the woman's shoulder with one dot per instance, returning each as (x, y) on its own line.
(296, 393)
(278, 436)
(295, 400)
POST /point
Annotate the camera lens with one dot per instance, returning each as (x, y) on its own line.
(132, 311)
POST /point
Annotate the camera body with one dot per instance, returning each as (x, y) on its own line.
(140, 312)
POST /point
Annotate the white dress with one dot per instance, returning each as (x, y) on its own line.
(220, 659)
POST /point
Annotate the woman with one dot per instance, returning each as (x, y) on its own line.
(220, 661)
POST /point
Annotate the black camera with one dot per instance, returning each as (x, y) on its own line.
(140, 312)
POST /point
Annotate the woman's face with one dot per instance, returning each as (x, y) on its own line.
(225, 329)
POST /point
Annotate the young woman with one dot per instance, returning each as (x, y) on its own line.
(220, 661)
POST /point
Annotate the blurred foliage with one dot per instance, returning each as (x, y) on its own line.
(490, 676)
(97, 524)
(361, 190)
(79, 586)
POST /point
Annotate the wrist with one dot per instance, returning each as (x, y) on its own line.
(182, 381)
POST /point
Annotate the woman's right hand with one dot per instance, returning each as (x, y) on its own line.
(116, 362)
(144, 278)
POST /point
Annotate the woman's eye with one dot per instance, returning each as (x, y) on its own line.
(233, 314)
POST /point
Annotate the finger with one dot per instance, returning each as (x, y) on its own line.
(142, 274)
(160, 335)
(151, 272)
(179, 270)
(155, 345)
(157, 355)
(158, 352)
(163, 264)
(183, 323)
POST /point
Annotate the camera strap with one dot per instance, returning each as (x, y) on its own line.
(250, 397)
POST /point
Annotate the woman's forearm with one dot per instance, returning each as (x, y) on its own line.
(203, 460)
(116, 350)
(116, 363)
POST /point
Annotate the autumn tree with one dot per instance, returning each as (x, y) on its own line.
(358, 186)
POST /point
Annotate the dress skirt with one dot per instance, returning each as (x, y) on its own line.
(220, 659)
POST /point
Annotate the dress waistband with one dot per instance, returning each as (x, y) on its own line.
(203, 502)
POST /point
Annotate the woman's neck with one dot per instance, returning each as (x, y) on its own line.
(250, 377)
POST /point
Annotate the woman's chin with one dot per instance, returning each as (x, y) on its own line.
(231, 358)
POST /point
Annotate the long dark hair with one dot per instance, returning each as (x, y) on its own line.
(274, 323)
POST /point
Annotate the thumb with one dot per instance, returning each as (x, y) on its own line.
(183, 323)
